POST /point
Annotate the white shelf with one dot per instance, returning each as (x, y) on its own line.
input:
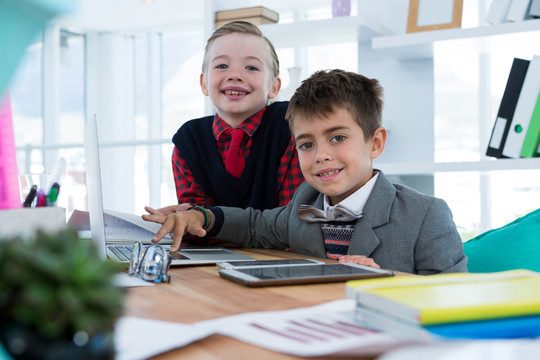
(414, 46)
(483, 165)
(420, 45)
(326, 31)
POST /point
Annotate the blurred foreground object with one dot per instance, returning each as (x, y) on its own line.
(9, 181)
(57, 298)
(20, 23)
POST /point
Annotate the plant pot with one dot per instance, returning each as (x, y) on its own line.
(22, 342)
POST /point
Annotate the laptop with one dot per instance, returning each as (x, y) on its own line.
(120, 249)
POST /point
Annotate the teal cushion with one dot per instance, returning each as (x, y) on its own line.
(513, 246)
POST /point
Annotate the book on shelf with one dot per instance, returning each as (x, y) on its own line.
(255, 20)
(524, 110)
(504, 328)
(451, 298)
(518, 11)
(534, 9)
(507, 108)
(258, 15)
(498, 11)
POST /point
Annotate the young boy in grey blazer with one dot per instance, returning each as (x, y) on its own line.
(345, 210)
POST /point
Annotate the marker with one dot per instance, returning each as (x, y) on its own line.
(53, 194)
(40, 201)
(57, 174)
(30, 197)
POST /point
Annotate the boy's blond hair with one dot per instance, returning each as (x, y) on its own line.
(324, 91)
(242, 27)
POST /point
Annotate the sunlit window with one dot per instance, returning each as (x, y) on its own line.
(141, 86)
(71, 88)
(71, 119)
(182, 98)
(25, 92)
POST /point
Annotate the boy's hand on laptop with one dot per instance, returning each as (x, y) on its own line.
(181, 223)
(359, 259)
(160, 215)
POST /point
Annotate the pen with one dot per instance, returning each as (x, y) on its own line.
(57, 174)
(40, 201)
(53, 194)
(30, 197)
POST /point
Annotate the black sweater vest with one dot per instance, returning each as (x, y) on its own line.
(257, 186)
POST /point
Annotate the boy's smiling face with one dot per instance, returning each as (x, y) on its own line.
(334, 156)
(238, 78)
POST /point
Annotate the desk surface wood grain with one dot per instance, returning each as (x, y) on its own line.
(197, 293)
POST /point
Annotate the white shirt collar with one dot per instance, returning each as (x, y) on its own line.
(357, 200)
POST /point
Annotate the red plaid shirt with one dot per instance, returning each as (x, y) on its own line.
(189, 191)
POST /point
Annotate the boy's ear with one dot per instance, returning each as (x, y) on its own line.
(203, 84)
(378, 142)
(274, 87)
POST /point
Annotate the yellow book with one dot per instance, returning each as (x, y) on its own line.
(255, 20)
(449, 298)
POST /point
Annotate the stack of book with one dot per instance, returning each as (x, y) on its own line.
(258, 15)
(499, 305)
(516, 132)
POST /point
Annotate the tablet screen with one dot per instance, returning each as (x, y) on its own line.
(302, 274)
(266, 263)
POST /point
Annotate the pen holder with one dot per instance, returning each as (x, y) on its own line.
(42, 181)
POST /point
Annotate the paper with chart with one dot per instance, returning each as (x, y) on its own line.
(119, 225)
(314, 331)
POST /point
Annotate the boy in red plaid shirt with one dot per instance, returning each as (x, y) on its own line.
(240, 74)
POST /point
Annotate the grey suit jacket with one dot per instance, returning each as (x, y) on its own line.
(401, 229)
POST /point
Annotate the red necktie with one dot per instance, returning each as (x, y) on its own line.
(234, 159)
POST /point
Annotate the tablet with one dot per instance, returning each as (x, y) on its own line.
(265, 263)
(302, 274)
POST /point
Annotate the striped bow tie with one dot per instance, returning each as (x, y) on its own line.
(309, 213)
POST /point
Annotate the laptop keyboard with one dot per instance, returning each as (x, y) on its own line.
(123, 251)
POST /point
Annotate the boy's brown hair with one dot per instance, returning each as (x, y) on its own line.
(325, 91)
(242, 27)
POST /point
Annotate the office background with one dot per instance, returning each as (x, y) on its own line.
(137, 65)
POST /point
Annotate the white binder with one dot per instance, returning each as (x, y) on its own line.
(524, 110)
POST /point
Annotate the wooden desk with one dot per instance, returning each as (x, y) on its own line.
(197, 293)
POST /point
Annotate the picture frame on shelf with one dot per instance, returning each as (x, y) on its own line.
(426, 15)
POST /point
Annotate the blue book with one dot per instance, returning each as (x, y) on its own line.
(505, 328)
(502, 328)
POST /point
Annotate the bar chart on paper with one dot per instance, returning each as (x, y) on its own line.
(306, 331)
(319, 330)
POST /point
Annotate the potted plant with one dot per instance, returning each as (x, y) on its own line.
(57, 298)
